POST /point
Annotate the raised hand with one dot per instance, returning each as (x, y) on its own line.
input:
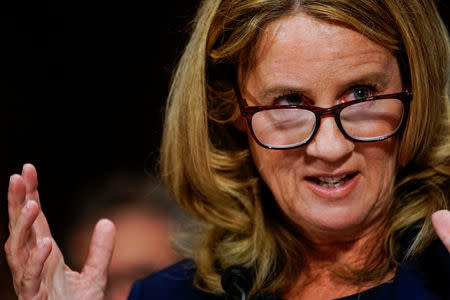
(441, 223)
(36, 262)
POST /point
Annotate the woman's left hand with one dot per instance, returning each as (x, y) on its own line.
(441, 223)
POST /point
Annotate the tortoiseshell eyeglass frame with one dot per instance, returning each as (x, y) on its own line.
(248, 111)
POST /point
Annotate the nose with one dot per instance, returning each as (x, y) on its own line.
(329, 144)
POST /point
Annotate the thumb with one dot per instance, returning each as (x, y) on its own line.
(100, 251)
(441, 223)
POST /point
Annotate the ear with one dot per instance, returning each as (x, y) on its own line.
(240, 124)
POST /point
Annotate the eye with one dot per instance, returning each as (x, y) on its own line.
(361, 92)
(289, 99)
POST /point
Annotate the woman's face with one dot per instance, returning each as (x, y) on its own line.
(332, 188)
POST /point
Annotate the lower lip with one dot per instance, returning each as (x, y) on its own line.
(333, 193)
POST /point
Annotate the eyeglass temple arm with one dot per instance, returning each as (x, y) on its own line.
(237, 91)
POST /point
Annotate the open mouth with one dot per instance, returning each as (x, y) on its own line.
(331, 182)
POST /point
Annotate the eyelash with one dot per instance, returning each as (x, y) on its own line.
(371, 87)
(278, 99)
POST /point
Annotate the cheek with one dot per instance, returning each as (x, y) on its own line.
(268, 161)
(280, 169)
(264, 159)
(381, 163)
(381, 158)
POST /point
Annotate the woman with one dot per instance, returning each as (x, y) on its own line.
(310, 140)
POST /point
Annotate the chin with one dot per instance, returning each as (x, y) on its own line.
(333, 224)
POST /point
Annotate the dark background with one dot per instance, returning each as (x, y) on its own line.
(82, 89)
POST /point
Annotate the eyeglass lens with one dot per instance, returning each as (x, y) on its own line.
(365, 121)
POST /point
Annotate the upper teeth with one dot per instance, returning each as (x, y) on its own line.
(332, 179)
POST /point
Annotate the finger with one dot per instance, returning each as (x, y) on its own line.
(22, 234)
(16, 198)
(31, 280)
(100, 251)
(30, 179)
(29, 175)
(21, 239)
(441, 223)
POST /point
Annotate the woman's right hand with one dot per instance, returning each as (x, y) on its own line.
(36, 262)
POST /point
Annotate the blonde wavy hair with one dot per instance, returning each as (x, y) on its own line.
(205, 161)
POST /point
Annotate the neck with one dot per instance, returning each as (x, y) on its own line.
(327, 273)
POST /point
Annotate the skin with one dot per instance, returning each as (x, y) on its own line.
(141, 247)
(338, 228)
(36, 262)
(326, 63)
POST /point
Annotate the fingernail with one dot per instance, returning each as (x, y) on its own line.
(10, 182)
(26, 207)
(42, 242)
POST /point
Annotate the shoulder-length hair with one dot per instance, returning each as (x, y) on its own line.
(205, 160)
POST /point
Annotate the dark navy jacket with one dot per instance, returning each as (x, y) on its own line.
(426, 277)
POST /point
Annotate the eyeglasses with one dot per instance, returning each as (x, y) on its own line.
(368, 119)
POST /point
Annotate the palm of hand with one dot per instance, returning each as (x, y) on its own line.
(36, 262)
(441, 223)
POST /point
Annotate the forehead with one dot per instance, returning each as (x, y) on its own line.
(301, 47)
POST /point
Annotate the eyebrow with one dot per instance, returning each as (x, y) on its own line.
(380, 78)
